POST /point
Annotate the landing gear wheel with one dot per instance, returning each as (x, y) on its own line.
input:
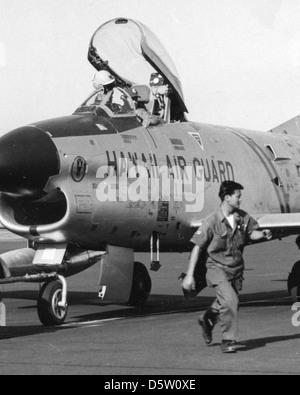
(49, 311)
(294, 283)
(141, 286)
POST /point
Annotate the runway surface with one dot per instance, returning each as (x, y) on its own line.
(164, 338)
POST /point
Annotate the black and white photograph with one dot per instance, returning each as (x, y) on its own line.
(149, 190)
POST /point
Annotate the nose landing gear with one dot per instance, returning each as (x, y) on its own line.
(52, 304)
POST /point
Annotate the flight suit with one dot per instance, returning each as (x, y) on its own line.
(225, 264)
(146, 118)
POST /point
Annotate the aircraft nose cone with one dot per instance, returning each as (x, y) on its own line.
(28, 157)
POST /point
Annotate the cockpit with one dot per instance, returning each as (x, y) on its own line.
(145, 76)
(115, 103)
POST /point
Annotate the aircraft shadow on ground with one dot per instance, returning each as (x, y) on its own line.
(12, 332)
(170, 304)
(157, 305)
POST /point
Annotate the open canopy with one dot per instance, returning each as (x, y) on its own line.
(133, 54)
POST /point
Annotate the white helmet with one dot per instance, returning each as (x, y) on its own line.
(102, 78)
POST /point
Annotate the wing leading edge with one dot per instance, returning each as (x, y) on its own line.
(289, 222)
(282, 225)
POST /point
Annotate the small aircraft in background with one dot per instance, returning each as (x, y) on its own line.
(101, 184)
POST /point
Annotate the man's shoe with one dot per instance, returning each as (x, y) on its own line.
(228, 347)
(207, 329)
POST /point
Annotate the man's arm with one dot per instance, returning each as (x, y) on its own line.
(257, 235)
(201, 239)
(188, 282)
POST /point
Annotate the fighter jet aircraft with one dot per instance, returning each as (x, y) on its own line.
(101, 184)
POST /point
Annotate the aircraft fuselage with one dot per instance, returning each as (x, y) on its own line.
(87, 144)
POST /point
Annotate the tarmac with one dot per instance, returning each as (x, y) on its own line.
(163, 338)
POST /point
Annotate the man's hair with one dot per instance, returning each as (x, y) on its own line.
(229, 188)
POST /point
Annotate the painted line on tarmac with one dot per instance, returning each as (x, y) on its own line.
(267, 275)
(90, 323)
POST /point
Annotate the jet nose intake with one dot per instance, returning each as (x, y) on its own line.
(28, 157)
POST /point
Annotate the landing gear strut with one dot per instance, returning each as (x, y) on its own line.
(52, 303)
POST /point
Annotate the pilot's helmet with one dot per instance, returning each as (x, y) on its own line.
(102, 78)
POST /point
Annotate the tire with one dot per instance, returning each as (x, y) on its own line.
(141, 286)
(295, 293)
(50, 314)
(294, 283)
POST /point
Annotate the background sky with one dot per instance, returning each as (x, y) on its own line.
(239, 60)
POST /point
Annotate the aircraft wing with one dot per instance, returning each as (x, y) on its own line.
(282, 221)
(282, 224)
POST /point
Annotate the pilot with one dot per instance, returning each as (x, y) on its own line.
(222, 237)
(104, 82)
(109, 94)
(143, 115)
